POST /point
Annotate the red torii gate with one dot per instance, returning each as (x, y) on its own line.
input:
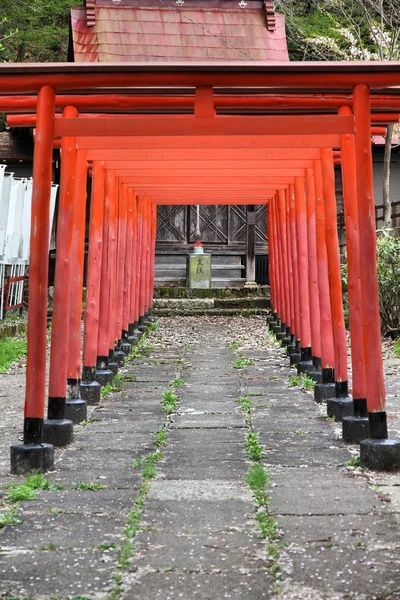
(213, 156)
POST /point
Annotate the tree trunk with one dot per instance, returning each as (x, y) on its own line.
(387, 205)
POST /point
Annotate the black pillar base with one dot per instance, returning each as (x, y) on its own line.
(277, 329)
(104, 376)
(305, 363)
(76, 410)
(316, 372)
(58, 432)
(295, 357)
(119, 357)
(125, 347)
(75, 406)
(326, 389)
(337, 408)
(91, 392)
(380, 454)
(342, 405)
(26, 458)
(113, 367)
(142, 328)
(272, 324)
(355, 429)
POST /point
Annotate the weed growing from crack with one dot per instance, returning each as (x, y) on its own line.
(9, 517)
(106, 546)
(161, 438)
(253, 448)
(241, 362)
(55, 511)
(51, 547)
(303, 381)
(177, 382)
(23, 492)
(89, 486)
(354, 462)
(245, 404)
(169, 402)
(325, 417)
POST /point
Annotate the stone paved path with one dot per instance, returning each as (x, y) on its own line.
(192, 530)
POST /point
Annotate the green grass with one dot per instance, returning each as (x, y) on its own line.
(9, 516)
(169, 402)
(354, 462)
(241, 362)
(177, 382)
(161, 438)
(29, 489)
(106, 390)
(257, 478)
(11, 349)
(396, 349)
(106, 546)
(90, 486)
(245, 404)
(55, 511)
(302, 381)
(51, 547)
(253, 448)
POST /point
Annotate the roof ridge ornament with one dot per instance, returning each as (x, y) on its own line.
(269, 12)
(90, 13)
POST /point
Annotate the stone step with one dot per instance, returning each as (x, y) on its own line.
(183, 304)
(222, 312)
(223, 292)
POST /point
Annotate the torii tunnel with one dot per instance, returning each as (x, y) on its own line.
(237, 133)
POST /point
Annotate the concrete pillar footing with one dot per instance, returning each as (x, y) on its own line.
(323, 391)
(26, 458)
(316, 375)
(90, 391)
(76, 410)
(104, 376)
(304, 366)
(295, 357)
(113, 367)
(125, 347)
(380, 455)
(58, 432)
(355, 429)
(337, 408)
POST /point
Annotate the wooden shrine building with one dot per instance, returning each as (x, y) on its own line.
(186, 31)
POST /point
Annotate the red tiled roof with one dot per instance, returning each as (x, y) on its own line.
(156, 30)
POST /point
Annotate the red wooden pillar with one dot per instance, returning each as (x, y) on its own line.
(296, 357)
(129, 260)
(148, 258)
(139, 272)
(143, 259)
(90, 387)
(57, 429)
(326, 389)
(121, 258)
(113, 190)
(133, 318)
(302, 261)
(103, 374)
(33, 454)
(343, 404)
(152, 254)
(354, 428)
(315, 317)
(271, 260)
(275, 262)
(291, 324)
(76, 408)
(281, 312)
(378, 451)
(281, 203)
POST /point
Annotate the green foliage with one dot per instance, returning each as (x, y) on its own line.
(354, 462)
(253, 448)
(90, 486)
(176, 383)
(245, 404)
(9, 517)
(11, 349)
(257, 478)
(388, 267)
(169, 401)
(302, 381)
(161, 438)
(241, 362)
(35, 31)
(28, 489)
(396, 348)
